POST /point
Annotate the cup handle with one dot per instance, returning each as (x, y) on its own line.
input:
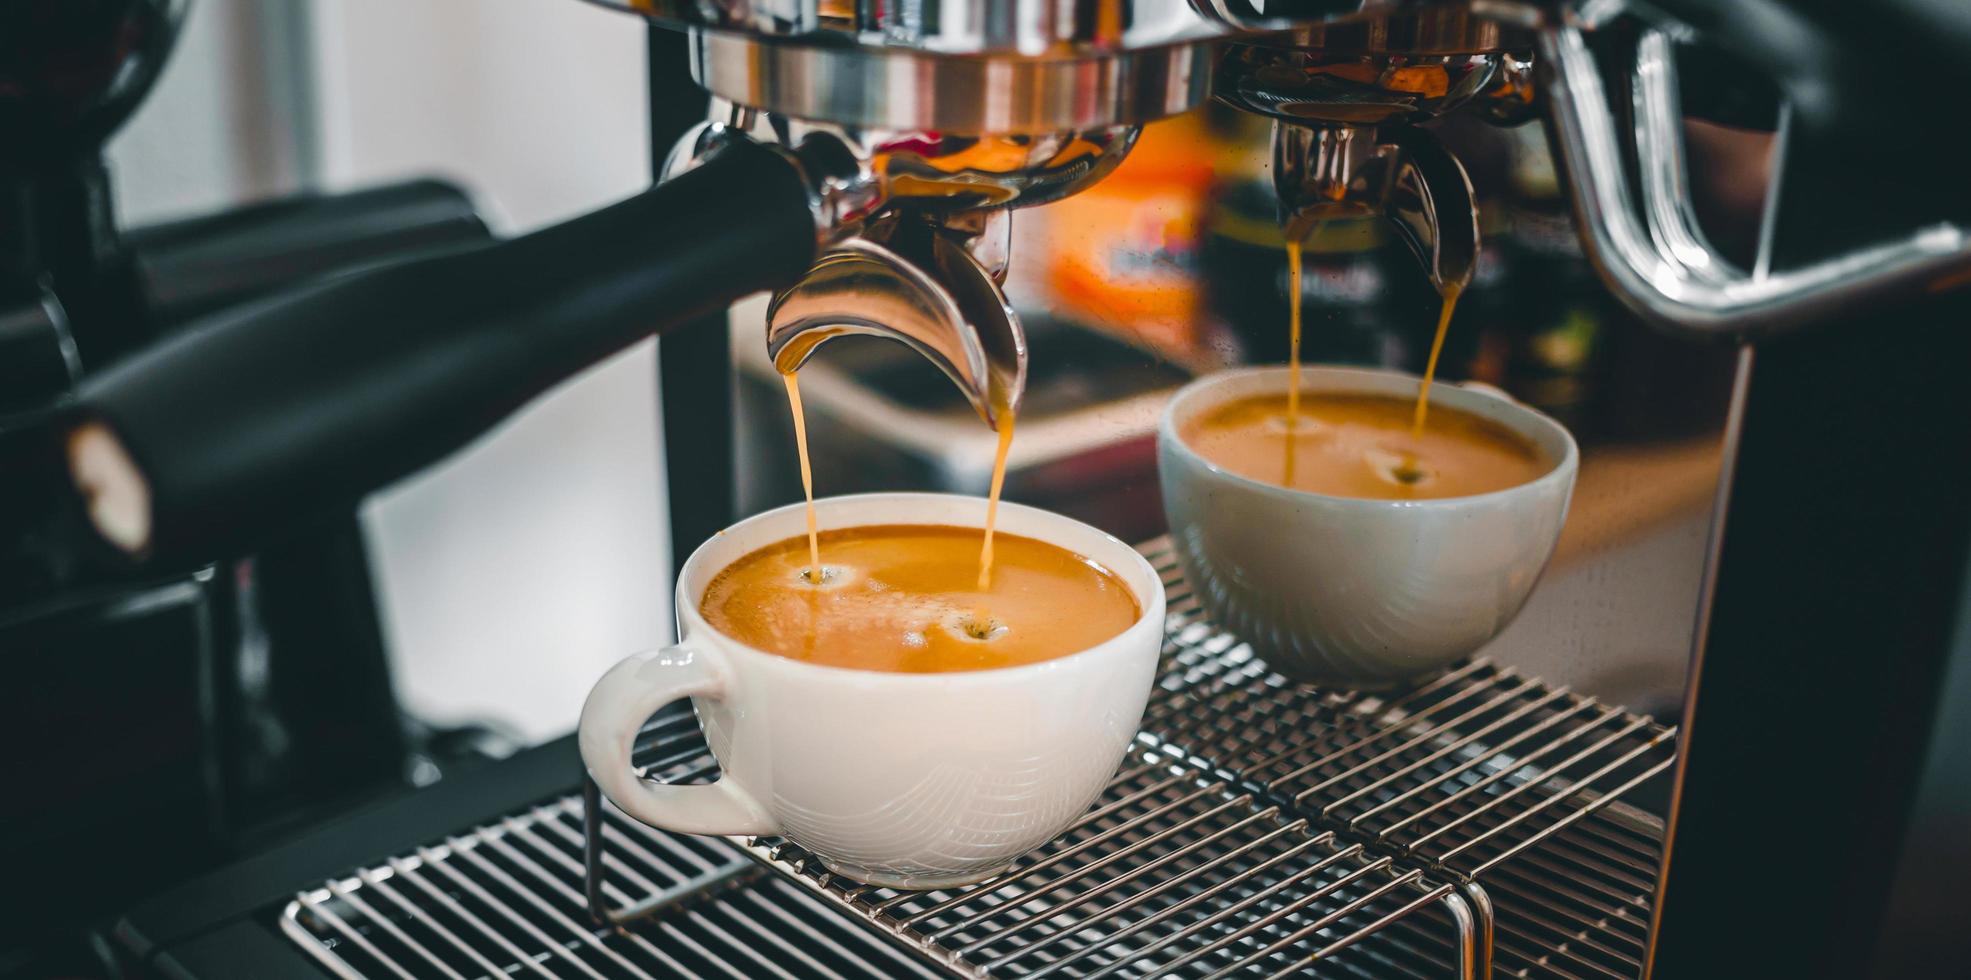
(616, 709)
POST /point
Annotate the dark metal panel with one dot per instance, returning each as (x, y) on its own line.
(1813, 726)
(241, 949)
(1925, 924)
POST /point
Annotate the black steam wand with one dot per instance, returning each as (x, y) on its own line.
(219, 437)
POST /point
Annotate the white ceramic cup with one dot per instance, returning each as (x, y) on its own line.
(1354, 592)
(906, 780)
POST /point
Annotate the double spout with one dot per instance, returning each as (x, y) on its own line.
(931, 284)
(1347, 101)
(918, 251)
(1399, 173)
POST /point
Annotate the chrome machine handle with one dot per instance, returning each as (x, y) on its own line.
(1648, 247)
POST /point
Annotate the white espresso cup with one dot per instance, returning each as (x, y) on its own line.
(911, 780)
(1355, 592)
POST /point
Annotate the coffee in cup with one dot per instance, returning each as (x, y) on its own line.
(905, 597)
(908, 769)
(1362, 445)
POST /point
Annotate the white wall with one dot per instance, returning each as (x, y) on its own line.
(515, 573)
(221, 126)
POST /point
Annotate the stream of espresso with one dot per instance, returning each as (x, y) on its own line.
(1293, 353)
(992, 497)
(1450, 302)
(813, 573)
(1450, 294)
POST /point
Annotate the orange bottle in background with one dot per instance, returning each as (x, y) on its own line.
(1123, 254)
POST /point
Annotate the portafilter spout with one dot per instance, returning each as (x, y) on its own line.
(1400, 173)
(914, 279)
(924, 257)
(1346, 99)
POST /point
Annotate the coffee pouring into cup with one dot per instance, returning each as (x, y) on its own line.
(908, 779)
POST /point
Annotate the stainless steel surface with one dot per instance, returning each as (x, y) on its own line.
(1658, 262)
(1434, 26)
(1258, 828)
(887, 86)
(859, 171)
(910, 280)
(1433, 789)
(1197, 861)
(954, 173)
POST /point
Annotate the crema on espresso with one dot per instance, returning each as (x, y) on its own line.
(907, 598)
(1363, 446)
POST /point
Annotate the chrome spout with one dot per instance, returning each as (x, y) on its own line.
(915, 280)
(1399, 173)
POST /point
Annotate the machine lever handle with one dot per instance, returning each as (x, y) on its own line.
(215, 439)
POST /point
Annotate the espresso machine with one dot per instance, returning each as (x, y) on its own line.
(866, 164)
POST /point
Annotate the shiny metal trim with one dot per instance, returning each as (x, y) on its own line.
(1476, 903)
(1664, 174)
(841, 185)
(904, 89)
(1655, 279)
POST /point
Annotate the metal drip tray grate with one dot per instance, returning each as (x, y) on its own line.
(1171, 875)
(1578, 905)
(1458, 774)
(1258, 828)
